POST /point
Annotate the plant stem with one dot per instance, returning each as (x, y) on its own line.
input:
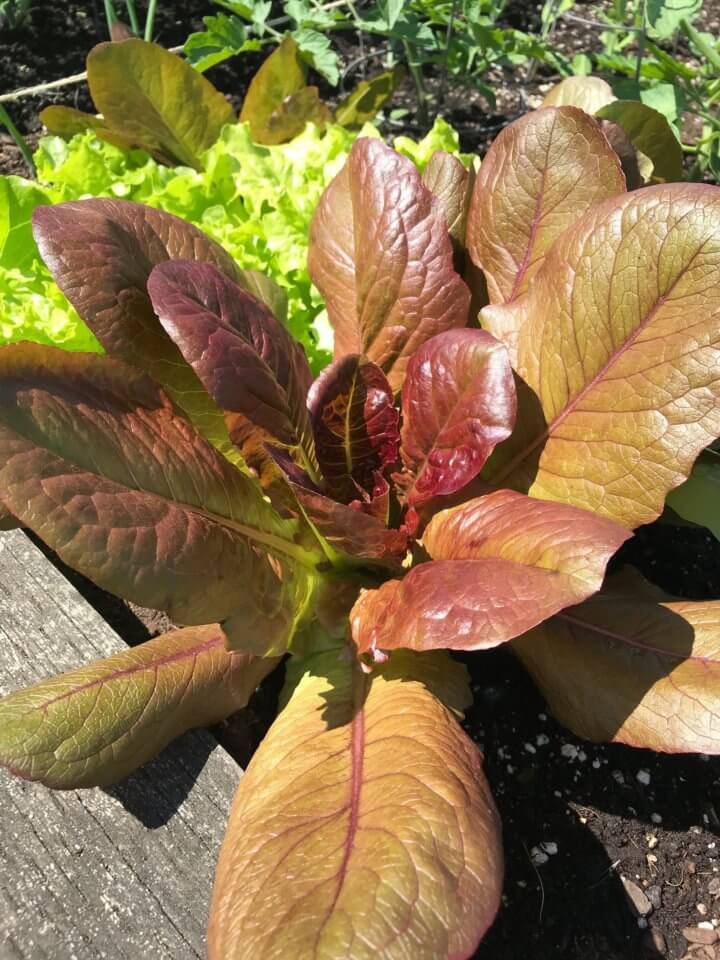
(446, 60)
(19, 140)
(416, 74)
(110, 16)
(132, 17)
(642, 36)
(150, 20)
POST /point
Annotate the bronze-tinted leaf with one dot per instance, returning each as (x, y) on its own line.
(67, 121)
(277, 104)
(458, 402)
(500, 563)
(588, 93)
(539, 176)
(363, 826)
(289, 119)
(156, 99)
(244, 357)
(7, 520)
(98, 462)
(381, 256)
(362, 104)
(452, 184)
(350, 531)
(101, 253)
(633, 666)
(355, 422)
(651, 134)
(95, 725)
(619, 351)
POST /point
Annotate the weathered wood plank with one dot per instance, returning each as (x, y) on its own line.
(120, 873)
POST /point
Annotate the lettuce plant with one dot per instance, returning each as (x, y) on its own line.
(439, 486)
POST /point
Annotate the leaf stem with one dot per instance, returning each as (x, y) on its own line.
(19, 140)
(132, 16)
(150, 21)
(111, 18)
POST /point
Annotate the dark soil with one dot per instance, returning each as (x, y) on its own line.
(609, 812)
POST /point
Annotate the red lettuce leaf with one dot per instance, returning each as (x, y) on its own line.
(381, 256)
(243, 356)
(458, 402)
(355, 423)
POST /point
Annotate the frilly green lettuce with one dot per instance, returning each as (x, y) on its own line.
(256, 201)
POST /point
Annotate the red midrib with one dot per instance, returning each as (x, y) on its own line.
(191, 652)
(620, 638)
(357, 751)
(613, 358)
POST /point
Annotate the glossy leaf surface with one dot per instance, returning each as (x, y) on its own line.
(94, 725)
(539, 176)
(651, 662)
(458, 402)
(381, 256)
(352, 835)
(355, 423)
(96, 460)
(101, 253)
(243, 356)
(500, 563)
(620, 348)
(156, 99)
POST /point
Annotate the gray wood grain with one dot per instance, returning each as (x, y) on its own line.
(120, 873)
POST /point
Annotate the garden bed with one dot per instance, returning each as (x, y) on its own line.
(611, 811)
(578, 818)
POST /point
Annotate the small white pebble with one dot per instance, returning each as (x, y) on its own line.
(596, 764)
(656, 818)
(530, 748)
(652, 841)
(711, 846)
(642, 923)
(538, 857)
(510, 768)
(521, 883)
(651, 858)
(556, 793)
(542, 739)
(643, 776)
(542, 716)
(583, 819)
(618, 777)
(701, 909)
(706, 925)
(549, 847)
(569, 750)
(582, 756)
